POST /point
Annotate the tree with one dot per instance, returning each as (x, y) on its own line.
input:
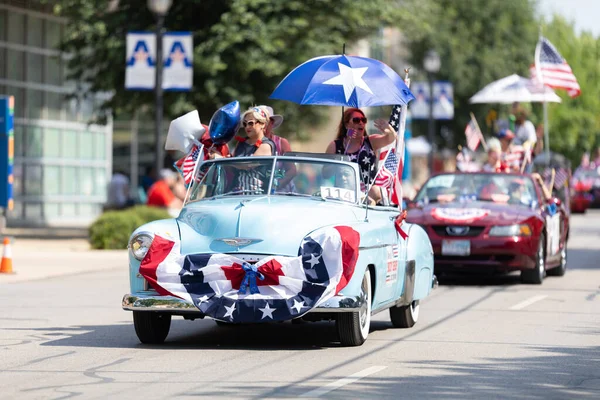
(242, 48)
(479, 41)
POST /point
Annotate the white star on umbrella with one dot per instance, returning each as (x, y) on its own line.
(313, 260)
(298, 305)
(230, 311)
(203, 299)
(267, 311)
(350, 78)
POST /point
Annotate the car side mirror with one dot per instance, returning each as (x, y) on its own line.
(555, 200)
(408, 203)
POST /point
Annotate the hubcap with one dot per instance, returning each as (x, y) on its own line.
(563, 257)
(541, 260)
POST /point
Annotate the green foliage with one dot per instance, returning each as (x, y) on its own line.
(113, 228)
(242, 48)
(479, 41)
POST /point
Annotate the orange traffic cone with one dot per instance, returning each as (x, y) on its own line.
(6, 264)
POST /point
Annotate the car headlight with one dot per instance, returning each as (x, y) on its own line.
(511, 230)
(140, 244)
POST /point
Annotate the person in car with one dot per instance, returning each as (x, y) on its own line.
(254, 122)
(352, 140)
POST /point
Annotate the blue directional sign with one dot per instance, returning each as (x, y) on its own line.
(443, 100)
(7, 112)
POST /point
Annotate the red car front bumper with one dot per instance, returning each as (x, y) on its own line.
(489, 254)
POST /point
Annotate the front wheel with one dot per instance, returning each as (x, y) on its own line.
(151, 327)
(536, 275)
(405, 316)
(353, 327)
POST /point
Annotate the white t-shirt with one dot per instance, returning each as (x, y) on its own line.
(525, 132)
(118, 190)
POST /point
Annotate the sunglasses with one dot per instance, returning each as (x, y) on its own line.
(356, 120)
(250, 123)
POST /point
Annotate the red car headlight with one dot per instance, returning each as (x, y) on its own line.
(510, 230)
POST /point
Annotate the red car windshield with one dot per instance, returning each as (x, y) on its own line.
(497, 188)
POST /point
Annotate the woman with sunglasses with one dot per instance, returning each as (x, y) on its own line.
(352, 140)
(254, 122)
(253, 180)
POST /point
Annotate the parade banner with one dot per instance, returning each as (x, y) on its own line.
(443, 100)
(7, 112)
(140, 69)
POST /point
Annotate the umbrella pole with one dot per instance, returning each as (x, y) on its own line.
(343, 53)
(546, 132)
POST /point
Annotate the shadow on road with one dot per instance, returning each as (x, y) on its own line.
(201, 334)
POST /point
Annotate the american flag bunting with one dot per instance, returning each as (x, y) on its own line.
(187, 164)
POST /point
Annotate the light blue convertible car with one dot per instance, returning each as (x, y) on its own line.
(264, 239)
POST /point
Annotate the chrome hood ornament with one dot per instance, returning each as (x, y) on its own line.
(238, 241)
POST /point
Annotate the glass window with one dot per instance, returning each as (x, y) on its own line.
(33, 141)
(88, 210)
(69, 144)
(2, 24)
(86, 181)
(54, 103)
(18, 140)
(69, 209)
(53, 71)
(52, 180)
(17, 211)
(15, 65)
(2, 60)
(35, 31)
(101, 182)
(100, 145)
(86, 145)
(51, 210)
(51, 142)
(35, 104)
(33, 211)
(35, 66)
(18, 182)
(16, 27)
(69, 180)
(52, 34)
(33, 180)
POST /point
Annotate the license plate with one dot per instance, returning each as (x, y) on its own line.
(456, 247)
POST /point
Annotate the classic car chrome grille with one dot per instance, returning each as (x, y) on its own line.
(457, 230)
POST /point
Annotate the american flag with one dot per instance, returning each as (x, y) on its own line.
(187, 164)
(390, 173)
(552, 69)
(560, 177)
(276, 288)
(472, 134)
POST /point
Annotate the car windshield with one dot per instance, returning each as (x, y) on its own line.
(321, 180)
(497, 188)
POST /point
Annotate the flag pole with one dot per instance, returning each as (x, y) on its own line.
(485, 147)
(538, 70)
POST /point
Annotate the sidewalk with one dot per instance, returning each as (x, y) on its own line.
(35, 259)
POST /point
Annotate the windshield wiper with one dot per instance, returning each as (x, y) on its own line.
(300, 195)
(244, 191)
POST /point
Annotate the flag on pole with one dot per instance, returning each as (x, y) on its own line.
(552, 69)
(472, 134)
(187, 164)
(391, 161)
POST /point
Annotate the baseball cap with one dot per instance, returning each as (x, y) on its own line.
(166, 173)
(277, 119)
(505, 133)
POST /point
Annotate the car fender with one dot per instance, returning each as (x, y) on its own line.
(420, 250)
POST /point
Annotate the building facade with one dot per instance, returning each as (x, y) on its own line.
(62, 164)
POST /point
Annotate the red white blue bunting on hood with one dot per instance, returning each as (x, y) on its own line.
(278, 288)
(462, 215)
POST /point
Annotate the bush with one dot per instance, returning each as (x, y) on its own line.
(113, 228)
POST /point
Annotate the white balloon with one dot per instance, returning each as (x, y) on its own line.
(184, 132)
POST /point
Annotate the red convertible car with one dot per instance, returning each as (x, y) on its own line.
(492, 222)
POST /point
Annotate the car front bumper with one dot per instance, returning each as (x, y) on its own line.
(501, 254)
(151, 301)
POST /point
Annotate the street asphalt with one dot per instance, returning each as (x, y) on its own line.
(63, 335)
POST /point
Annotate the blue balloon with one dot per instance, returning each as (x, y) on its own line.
(224, 123)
